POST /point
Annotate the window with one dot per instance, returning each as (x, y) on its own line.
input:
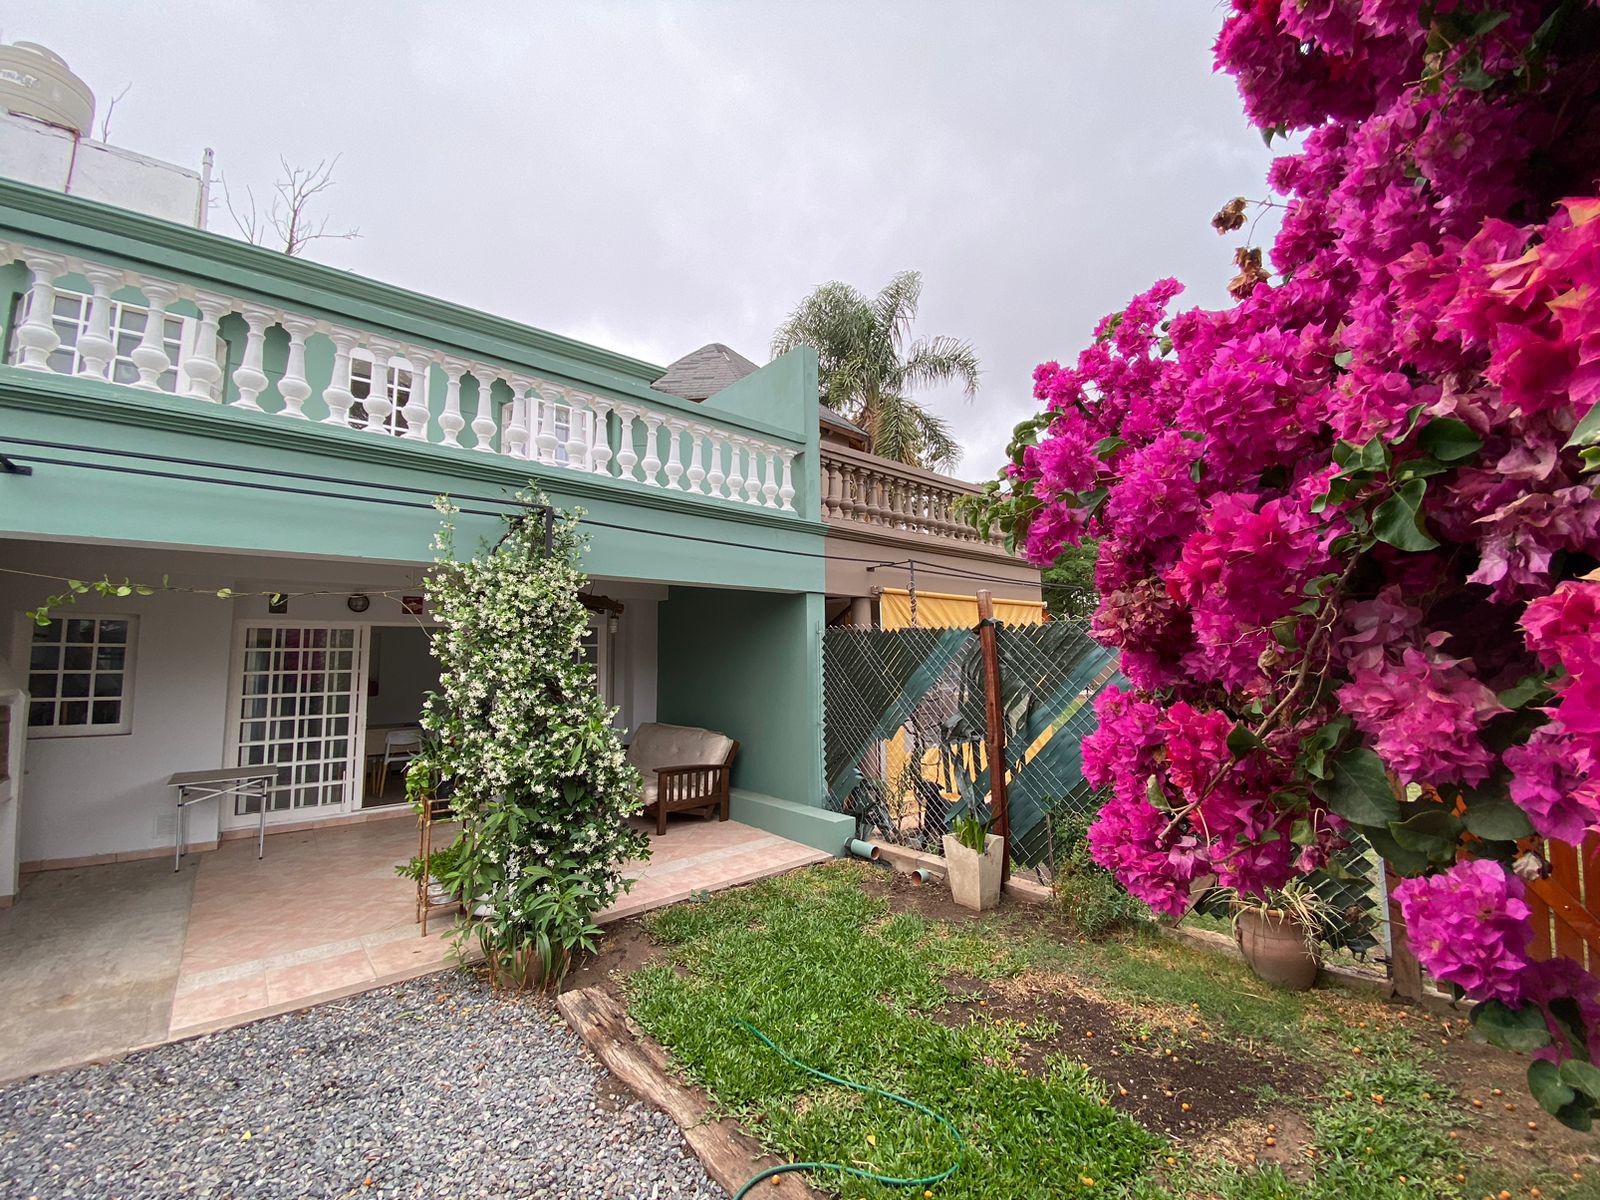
(70, 317)
(561, 417)
(397, 384)
(80, 676)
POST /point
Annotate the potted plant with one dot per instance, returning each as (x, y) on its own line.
(1278, 931)
(973, 860)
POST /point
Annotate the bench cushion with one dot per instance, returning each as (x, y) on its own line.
(656, 746)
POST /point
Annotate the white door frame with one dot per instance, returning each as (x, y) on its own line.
(355, 761)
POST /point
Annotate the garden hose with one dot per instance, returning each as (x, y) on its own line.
(858, 1172)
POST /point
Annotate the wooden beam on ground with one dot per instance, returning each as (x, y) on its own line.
(730, 1156)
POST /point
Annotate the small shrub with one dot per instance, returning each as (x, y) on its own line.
(1091, 899)
(441, 863)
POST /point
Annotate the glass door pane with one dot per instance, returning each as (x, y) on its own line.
(297, 705)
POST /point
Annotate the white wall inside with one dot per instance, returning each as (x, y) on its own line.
(401, 670)
(13, 697)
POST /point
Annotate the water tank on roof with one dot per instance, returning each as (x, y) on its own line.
(35, 82)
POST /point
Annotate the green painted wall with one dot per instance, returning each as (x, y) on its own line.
(748, 664)
(639, 532)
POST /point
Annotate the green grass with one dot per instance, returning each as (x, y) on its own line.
(816, 961)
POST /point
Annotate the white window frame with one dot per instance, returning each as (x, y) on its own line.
(25, 637)
(563, 414)
(232, 741)
(179, 346)
(398, 384)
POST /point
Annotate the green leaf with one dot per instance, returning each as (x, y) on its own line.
(1496, 819)
(1449, 439)
(1433, 832)
(1242, 740)
(1544, 1081)
(1153, 792)
(1301, 832)
(1531, 689)
(1407, 863)
(1358, 789)
(1588, 431)
(1398, 520)
(1521, 1029)
(1581, 1076)
(1286, 632)
(1343, 359)
(1109, 445)
(1314, 750)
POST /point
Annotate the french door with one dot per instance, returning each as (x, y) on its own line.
(297, 697)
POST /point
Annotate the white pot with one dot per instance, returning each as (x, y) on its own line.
(974, 877)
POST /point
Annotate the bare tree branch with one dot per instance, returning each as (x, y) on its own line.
(105, 121)
(287, 221)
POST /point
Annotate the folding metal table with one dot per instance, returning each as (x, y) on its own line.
(191, 787)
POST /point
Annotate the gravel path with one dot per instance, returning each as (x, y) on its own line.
(433, 1088)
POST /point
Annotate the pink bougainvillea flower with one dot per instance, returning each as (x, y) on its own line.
(1469, 926)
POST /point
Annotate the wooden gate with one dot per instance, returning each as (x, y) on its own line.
(1566, 904)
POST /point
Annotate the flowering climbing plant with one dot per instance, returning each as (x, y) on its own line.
(521, 739)
(1348, 527)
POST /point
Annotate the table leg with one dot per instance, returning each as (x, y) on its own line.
(261, 835)
(177, 848)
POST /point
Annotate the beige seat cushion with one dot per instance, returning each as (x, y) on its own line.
(656, 746)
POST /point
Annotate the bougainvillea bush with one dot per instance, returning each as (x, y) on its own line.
(1349, 526)
(522, 739)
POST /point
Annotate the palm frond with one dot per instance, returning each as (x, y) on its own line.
(932, 361)
(896, 435)
(938, 450)
(895, 307)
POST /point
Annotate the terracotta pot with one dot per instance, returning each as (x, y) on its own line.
(1277, 949)
(974, 878)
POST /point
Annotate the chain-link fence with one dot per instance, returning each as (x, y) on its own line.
(906, 734)
(893, 700)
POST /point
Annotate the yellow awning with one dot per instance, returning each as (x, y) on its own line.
(942, 610)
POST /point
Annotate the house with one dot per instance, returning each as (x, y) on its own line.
(258, 439)
(892, 530)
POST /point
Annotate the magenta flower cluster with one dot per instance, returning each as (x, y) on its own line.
(1359, 500)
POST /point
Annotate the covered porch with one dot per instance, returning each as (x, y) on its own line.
(103, 959)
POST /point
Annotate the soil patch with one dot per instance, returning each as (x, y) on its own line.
(1184, 1085)
(625, 947)
(1492, 1093)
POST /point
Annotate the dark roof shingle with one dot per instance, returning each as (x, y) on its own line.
(704, 372)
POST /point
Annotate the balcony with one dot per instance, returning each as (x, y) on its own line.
(875, 499)
(165, 312)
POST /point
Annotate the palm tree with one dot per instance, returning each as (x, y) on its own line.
(868, 371)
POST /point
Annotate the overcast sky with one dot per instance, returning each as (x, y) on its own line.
(655, 176)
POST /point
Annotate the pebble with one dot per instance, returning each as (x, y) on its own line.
(430, 1089)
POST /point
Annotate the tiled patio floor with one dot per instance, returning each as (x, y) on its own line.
(325, 915)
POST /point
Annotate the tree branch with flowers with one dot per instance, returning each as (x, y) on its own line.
(1348, 527)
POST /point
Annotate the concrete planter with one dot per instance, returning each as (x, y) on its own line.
(974, 877)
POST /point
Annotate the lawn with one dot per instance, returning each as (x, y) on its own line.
(1132, 1067)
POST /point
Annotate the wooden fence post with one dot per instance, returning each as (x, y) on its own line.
(1405, 972)
(994, 713)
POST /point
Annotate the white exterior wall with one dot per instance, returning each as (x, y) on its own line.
(43, 155)
(101, 796)
(11, 694)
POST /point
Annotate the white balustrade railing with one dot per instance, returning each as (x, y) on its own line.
(501, 411)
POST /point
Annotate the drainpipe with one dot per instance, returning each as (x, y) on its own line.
(205, 188)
